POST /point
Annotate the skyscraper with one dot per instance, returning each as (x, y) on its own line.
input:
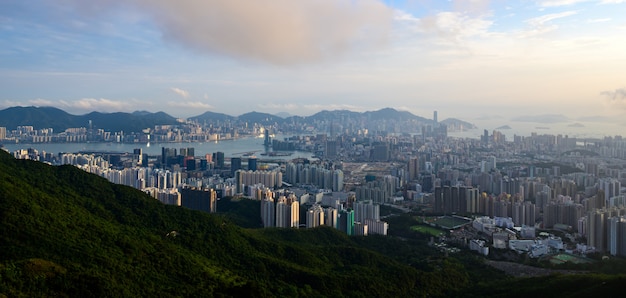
(315, 216)
(268, 213)
(235, 164)
(252, 164)
(346, 221)
(414, 168)
(3, 133)
(219, 160)
(203, 199)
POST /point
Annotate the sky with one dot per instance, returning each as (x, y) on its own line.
(554, 61)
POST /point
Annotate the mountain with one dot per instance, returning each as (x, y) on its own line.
(389, 113)
(454, 124)
(126, 122)
(382, 114)
(59, 120)
(43, 117)
(332, 115)
(208, 117)
(261, 118)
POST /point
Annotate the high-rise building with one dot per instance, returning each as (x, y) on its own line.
(203, 199)
(414, 168)
(346, 221)
(337, 180)
(375, 226)
(331, 149)
(3, 133)
(267, 140)
(235, 164)
(287, 212)
(315, 216)
(380, 152)
(268, 212)
(252, 164)
(167, 155)
(366, 210)
(330, 217)
(219, 160)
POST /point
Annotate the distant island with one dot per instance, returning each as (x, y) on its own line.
(576, 125)
(542, 127)
(454, 124)
(504, 127)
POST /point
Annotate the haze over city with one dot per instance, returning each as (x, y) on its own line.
(500, 61)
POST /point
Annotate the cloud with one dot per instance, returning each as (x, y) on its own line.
(448, 25)
(616, 95)
(94, 104)
(190, 104)
(181, 92)
(591, 21)
(275, 31)
(332, 107)
(279, 106)
(542, 20)
(556, 3)
(41, 102)
(541, 24)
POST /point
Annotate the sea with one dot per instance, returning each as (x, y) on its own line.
(241, 147)
(583, 130)
(253, 146)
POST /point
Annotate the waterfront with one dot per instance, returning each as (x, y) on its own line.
(581, 129)
(241, 147)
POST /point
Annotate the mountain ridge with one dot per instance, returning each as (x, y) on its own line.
(59, 120)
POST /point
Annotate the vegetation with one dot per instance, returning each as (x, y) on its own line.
(59, 120)
(67, 233)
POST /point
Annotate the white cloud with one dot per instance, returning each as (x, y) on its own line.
(602, 20)
(190, 104)
(41, 102)
(331, 107)
(181, 92)
(616, 95)
(558, 3)
(542, 20)
(11, 103)
(448, 25)
(276, 31)
(94, 104)
(280, 106)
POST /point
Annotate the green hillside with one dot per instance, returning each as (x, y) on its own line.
(66, 233)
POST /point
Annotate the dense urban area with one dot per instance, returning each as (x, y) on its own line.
(539, 195)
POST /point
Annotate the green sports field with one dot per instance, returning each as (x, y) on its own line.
(427, 230)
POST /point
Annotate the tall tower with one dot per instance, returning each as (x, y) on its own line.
(267, 142)
(252, 164)
(235, 164)
(268, 212)
(346, 221)
(414, 168)
(435, 117)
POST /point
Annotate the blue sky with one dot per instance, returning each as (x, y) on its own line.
(466, 59)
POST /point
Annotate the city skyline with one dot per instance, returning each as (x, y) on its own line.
(472, 60)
